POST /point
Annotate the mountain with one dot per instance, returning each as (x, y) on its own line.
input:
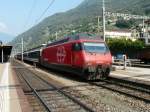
(80, 19)
(5, 38)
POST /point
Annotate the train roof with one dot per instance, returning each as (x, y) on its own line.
(85, 36)
(35, 48)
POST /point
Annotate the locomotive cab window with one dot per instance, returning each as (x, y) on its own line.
(95, 47)
(76, 47)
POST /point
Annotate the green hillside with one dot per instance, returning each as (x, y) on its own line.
(80, 19)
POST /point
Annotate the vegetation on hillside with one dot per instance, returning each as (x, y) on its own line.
(121, 23)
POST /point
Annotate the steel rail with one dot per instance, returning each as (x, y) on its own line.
(130, 84)
(36, 93)
(65, 94)
(57, 89)
(119, 91)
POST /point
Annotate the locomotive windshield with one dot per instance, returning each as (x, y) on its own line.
(95, 47)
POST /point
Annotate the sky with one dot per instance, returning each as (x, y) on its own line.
(16, 16)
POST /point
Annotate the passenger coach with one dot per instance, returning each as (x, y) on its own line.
(34, 54)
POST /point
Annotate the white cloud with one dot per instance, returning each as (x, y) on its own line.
(3, 27)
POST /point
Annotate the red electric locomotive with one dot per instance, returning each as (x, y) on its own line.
(82, 54)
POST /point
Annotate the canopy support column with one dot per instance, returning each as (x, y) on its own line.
(2, 56)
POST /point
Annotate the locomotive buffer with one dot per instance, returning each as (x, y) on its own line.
(5, 52)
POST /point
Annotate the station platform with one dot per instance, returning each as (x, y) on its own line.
(12, 98)
(136, 74)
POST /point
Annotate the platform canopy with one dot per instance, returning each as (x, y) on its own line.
(5, 52)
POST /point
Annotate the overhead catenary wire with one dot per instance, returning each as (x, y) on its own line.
(30, 13)
(28, 19)
(26, 23)
(50, 4)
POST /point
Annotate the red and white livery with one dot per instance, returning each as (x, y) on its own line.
(82, 54)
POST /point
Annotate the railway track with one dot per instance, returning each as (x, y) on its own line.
(139, 93)
(44, 96)
(131, 89)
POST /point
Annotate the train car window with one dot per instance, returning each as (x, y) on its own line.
(76, 47)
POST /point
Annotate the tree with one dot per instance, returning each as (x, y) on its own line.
(125, 46)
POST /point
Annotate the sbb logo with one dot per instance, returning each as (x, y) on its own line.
(61, 54)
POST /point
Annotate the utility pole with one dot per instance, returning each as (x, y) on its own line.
(22, 47)
(56, 35)
(143, 29)
(143, 26)
(104, 20)
(98, 25)
(144, 32)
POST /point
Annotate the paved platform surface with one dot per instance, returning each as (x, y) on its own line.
(137, 74)
(12, 98)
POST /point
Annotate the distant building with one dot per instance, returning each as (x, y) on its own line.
(143, 33)
(118, 34)
(135, 34)
(146, 34)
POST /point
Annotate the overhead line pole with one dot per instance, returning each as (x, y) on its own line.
(56, 34)
(98, 26)
(22, 47)
(104, 27)
(143, 26)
